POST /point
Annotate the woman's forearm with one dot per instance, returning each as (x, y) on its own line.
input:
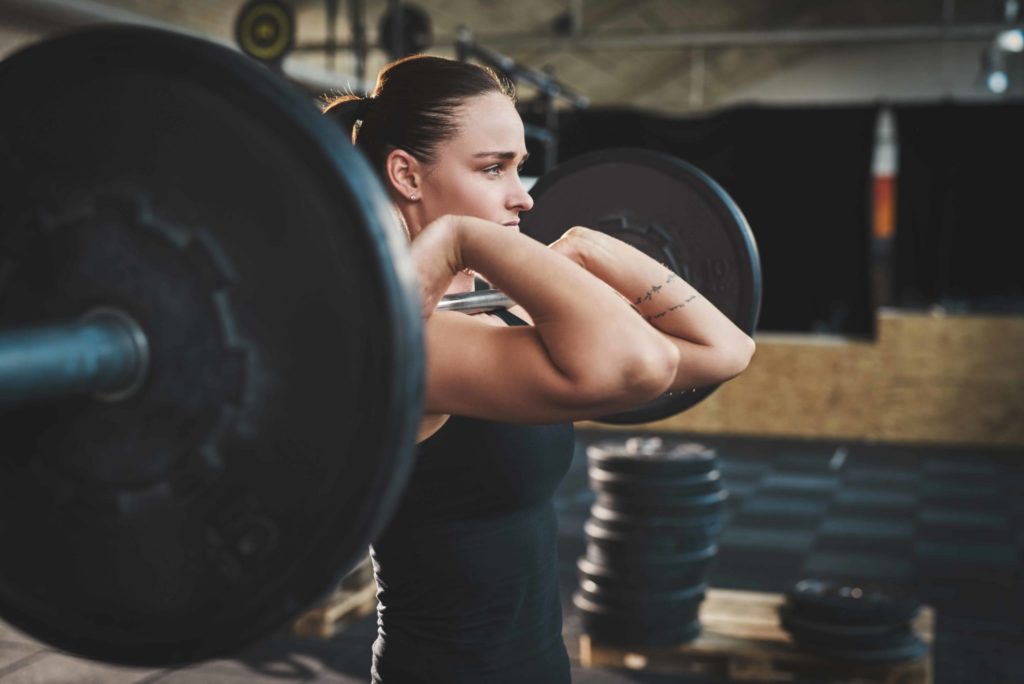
(716, 347)
(573, 311)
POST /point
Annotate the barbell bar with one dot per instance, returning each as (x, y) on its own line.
(215, 432)
(106, 353)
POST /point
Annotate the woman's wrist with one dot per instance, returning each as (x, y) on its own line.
(453, 235)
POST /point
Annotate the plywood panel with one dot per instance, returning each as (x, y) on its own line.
(927, 379)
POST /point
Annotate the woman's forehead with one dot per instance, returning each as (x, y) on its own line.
(492, 122)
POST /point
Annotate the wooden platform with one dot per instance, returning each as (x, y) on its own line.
(742, 641)
(354, 598)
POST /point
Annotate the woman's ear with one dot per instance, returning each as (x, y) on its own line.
(404, 173)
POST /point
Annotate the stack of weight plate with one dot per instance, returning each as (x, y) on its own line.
(852, 622)
(650, 538)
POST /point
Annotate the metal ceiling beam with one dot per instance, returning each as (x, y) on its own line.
(55, 14)
(49, 15)
(706, 39)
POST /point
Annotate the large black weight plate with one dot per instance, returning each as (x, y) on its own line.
(688, 529)
(653, 559)
(643, 603)
(683, 512)
(651, 456)
(678, 507)
(613, 628)
(900, 647)
(834, 601)
(606, 571)
(656, 490)
(843, 635)
(671, 211)
(629, 542)
(184, 184)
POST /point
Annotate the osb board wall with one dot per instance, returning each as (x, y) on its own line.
(928, 378)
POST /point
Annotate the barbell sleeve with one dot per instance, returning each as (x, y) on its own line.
(105, 354)
(476, 302)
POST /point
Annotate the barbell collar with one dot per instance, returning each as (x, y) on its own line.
(104, 354)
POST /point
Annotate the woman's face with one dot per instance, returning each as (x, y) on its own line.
(476, 172)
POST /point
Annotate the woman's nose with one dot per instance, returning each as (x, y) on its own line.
(521, 199)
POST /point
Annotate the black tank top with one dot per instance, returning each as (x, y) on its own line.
(467, 570)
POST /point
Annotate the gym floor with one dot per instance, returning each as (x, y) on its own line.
(943, 521)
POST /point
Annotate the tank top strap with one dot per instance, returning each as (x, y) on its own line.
(509, 318)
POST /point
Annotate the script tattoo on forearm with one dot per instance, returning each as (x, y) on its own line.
(671, 308)
(655, 289)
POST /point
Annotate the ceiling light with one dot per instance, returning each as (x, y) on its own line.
(1011, 41)
(997, 82)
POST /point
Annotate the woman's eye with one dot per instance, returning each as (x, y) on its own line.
(493, 170)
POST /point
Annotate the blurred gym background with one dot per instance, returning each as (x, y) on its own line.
(875, 148)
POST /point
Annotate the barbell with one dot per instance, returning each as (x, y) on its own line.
(204, 425)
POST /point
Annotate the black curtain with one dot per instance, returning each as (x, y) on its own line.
(801, 177)
(960, 214)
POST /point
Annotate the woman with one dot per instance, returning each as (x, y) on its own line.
(467, 572)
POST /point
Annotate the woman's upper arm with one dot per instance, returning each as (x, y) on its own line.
(505, 373)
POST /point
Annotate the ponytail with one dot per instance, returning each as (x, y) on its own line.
(413, 107)
(348, 111)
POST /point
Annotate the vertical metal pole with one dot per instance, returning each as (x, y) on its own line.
(463, 39)
(551, 124)
(696, 78)
(1010, 11)
(398, 45)
(576, 12)
(357, 18)
(331, 53)
(948, 18)
(884, 182)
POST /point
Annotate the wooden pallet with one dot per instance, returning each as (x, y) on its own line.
(743, 641)
(354, 598)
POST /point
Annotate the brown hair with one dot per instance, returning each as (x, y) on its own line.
(413, 106)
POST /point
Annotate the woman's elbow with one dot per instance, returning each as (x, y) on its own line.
(630, 376)
(739, 356)
(649, 371)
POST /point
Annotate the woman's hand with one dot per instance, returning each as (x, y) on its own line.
(438, 258)
(574, 244)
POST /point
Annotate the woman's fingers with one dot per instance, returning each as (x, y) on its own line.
(568, 246)
(573, 244)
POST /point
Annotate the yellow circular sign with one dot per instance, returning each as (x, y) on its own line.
(265, 30)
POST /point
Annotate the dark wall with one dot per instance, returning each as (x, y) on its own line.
(801, 177)
(960, 207)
